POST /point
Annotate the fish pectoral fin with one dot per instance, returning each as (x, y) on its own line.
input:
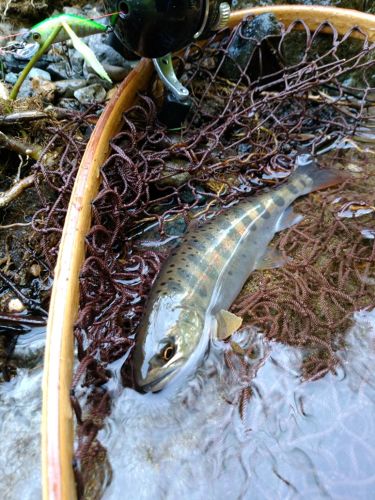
(227, 324)
(271, 259)
(288, 219)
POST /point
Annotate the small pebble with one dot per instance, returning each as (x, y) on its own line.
(35, 270)
(354, 168)
(92, 93)
(11, 77)
(15, 305)
(68, 103)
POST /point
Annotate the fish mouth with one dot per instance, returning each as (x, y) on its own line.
(157, 384)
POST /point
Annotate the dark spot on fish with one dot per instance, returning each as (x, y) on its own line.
(266, 214)
(260, 208)
(199, 245)
(253, 226)
(184, 273)
(279, 201)
(293, 189)
(230, 273)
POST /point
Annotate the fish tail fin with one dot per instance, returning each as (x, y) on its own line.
(310, 178)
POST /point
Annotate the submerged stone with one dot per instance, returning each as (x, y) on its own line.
(244, 44)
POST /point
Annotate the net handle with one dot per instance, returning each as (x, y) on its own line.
(57, 418)
(314, 16)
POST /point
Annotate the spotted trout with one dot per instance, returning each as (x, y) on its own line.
(190, 298)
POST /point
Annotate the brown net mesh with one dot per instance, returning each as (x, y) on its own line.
(27, 256)
(257, 104)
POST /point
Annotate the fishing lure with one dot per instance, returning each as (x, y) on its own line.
(80, 25)
(58, 29)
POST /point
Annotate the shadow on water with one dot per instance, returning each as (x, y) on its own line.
(296, 439)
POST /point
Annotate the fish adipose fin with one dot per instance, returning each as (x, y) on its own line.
(227, 324)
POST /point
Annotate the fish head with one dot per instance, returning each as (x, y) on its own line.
(166, 342)
(33, 36)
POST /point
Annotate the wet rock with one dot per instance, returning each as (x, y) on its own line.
(105, 53)
(92, 78)
(34, 81)
(46, 88)
(58, 70)
(67, 88)
(69, 104)
(11, 77)
(92, 93)
(116, 65)
(174, 173)
(244, 45)
(75, 60)
(116, 73)
(39, 73)
(17, 60)
(62, 70)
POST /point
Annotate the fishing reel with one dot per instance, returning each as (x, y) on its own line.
(156, 28)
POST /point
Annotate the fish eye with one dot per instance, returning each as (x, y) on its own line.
(168, 352)
(36, 37)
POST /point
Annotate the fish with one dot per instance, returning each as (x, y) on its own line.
(81, 26)
(189, 300)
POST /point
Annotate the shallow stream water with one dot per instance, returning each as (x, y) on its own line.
(20, 418)
(295, 440)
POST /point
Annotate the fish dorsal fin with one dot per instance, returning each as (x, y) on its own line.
(227, 324)
(288, 219)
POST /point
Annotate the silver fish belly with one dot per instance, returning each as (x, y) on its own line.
(204, 275)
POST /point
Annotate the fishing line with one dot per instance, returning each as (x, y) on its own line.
(102, 16)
